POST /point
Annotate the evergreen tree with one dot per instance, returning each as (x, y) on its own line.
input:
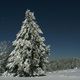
(30, 53)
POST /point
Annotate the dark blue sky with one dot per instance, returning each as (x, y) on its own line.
(59, 20)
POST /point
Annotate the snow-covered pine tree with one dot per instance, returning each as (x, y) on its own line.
(30, 53)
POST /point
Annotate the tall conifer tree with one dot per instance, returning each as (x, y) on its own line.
(30, 53)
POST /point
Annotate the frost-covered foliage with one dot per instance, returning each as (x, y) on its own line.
(5, 50)
(30, 54)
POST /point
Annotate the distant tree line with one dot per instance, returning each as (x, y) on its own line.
(62, 64)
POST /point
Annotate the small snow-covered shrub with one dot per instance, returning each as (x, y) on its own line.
(5, 50)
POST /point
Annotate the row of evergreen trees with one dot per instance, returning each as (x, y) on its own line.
(63, 64)
(53, 65)
(56, 64)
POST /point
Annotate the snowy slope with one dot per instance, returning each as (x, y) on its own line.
(72, 74)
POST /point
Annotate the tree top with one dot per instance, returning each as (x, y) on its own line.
(29, 15)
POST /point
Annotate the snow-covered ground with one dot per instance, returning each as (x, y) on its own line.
(72, 74)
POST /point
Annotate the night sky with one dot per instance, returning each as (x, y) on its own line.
(59, 20)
